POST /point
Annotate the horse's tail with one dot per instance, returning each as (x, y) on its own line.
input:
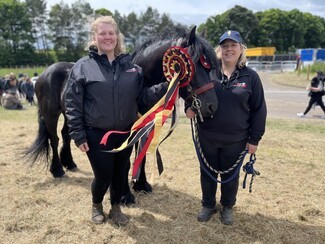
(39, 150)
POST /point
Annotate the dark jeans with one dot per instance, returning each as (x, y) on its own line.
(109, 168)
(316, 99)
(221, 156)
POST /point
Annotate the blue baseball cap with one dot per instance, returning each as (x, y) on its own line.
(232, 35)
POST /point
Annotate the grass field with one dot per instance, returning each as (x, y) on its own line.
(16, 71)
(286, 206)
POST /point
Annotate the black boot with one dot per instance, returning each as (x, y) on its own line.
(97, 214)
(227, 217)
(118, 217)
(206, 213)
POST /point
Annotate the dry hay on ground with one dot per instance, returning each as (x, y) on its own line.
(286, 206)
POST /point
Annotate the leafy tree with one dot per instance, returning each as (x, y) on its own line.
(16, 36)
(273, 29)
(314, 37)
(132, 30)
(149, 22)
(68, 29)
(37, 12)
(238, 18)
(103, 12)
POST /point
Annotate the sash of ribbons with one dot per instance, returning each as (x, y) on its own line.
(147, 129)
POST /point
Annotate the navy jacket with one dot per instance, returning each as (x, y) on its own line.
(241, 113)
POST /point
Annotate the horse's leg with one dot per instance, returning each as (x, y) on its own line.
(56, 167)
(142, 184)
(65, 152)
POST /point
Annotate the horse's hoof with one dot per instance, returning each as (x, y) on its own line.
(72, 167)
(128, 199)
(142, 187)
(58, 173)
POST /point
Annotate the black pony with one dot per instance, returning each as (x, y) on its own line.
(49, 90)
(149, 57)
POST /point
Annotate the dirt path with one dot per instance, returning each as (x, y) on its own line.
(284, 101)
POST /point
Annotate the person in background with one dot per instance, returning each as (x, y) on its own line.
(34, 78)
(10, 98)
(238, 124)
(105, 93)
(316, 93)
(28, 89)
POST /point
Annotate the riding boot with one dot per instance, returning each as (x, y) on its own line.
(206, 213)
(227, 217)
(118, 217)
(97, 214)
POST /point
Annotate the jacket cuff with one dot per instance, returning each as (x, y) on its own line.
(253, 142)
(81, 141)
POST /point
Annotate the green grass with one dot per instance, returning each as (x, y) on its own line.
(29, 114)
(30, 71)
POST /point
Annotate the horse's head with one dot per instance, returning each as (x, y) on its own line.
(199, 92)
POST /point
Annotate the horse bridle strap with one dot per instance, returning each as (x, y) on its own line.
(204, 88)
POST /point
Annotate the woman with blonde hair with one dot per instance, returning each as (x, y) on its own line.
(237, 125)
(105, 92)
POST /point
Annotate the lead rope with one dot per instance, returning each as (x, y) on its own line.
(203, 160)
(248, 168)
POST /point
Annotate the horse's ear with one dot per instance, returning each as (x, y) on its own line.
(190, 37)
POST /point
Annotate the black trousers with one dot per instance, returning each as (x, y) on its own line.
(221, 156)
(109, 168)
(318, 100)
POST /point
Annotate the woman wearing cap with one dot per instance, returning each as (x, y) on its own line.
(238, 124)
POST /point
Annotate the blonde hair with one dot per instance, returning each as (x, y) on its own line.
(120, 47)
(242, 59)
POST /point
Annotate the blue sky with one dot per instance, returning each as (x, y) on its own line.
(197, 11)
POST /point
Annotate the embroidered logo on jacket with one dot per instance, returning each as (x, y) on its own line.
(242, 85)
(132, 70)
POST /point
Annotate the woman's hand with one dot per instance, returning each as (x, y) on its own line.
(251, 148)
(190, 113)
(84, 147)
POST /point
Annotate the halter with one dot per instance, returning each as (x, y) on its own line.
(176, 59)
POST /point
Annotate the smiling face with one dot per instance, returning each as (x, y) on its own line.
(106, 39)
(230, 52)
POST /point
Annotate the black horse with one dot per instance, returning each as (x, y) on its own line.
(149, 57)
(49, 90)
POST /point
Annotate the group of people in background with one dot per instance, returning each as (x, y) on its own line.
(13, 90)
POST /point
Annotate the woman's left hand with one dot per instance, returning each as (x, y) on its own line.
(251, 148)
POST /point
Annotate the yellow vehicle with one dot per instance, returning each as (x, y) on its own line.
(260, 51)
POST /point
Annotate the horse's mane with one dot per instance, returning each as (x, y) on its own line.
(175, 36)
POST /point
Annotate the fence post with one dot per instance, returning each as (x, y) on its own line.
(308, 71)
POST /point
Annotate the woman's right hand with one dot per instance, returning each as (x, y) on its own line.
(190, 113)
(84, 147)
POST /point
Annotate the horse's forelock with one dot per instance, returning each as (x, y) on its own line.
(201, 46)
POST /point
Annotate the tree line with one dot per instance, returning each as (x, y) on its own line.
(30, 34)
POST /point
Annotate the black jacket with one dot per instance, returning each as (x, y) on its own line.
(106, 96)
(316, 82)
(241, 113)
